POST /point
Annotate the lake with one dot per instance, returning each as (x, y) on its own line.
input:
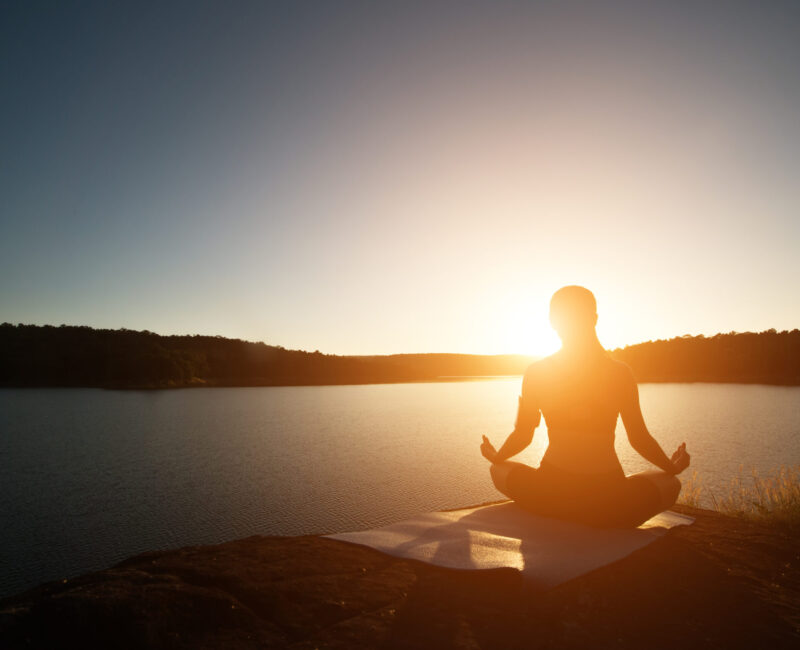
(90, 477)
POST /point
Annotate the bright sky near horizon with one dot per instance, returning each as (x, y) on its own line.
(367, 178)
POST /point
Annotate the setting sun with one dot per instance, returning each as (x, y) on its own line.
(520, 324)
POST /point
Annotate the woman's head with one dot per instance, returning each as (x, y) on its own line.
(573, 313)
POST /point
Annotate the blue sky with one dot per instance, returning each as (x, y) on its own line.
(399, 177)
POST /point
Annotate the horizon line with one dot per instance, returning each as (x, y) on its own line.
(388, 354)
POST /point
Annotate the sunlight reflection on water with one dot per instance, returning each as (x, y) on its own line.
(91, 477)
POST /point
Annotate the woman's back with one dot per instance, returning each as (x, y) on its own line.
(580, 399)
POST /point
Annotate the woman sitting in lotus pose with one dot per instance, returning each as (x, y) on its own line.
(580, 391)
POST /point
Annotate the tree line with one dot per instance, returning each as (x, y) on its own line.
(768, 357)
(32, 355)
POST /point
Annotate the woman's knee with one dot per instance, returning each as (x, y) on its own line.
(500, 472)
(668, 485)
(673, 488)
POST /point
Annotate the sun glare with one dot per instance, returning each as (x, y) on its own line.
(537, 339)
(525, 328)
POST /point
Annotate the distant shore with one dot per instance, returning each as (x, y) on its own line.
(174, 385)
(170, 385)
(721, 582)
(70, 356)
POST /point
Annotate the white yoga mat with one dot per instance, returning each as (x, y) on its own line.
(546, 551)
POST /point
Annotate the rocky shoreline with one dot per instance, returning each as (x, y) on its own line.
(722, 582)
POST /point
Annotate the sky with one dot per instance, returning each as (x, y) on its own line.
(375, 178)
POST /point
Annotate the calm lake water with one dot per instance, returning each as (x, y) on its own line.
(90, 477)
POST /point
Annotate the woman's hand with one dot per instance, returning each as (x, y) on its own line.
(680, 459)
(488, 450)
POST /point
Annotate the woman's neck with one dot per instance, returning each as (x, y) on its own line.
(583, 347)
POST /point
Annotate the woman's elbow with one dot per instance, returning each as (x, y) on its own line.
(523, 438)
(639, 439)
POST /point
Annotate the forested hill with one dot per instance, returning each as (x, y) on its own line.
(33, 355)
(764, 358)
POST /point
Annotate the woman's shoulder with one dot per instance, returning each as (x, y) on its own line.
(540, 371)
(618, 366)
(544, 369)
(620, 371)
(540, 367)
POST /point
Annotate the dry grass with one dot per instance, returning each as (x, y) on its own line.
(691, 491)
(772, 499)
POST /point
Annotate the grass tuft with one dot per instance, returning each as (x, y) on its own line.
(691, 491)
(773, 499)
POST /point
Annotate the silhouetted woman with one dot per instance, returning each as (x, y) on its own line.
(580, 391)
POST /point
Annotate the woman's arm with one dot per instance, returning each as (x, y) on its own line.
(517, 440)
(640, 437)
(515, 443)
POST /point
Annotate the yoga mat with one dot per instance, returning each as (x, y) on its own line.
(548, 552)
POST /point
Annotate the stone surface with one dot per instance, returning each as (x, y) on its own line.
(721, 582)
